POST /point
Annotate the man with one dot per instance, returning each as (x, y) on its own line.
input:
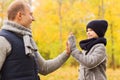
(19, 58)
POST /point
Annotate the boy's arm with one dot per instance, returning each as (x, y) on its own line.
(98, 54)
(91, 61)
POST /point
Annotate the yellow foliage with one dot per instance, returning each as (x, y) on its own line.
(71, 73)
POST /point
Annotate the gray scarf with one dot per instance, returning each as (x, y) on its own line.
(30, 46)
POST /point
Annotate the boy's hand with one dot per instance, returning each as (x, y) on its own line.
(72, 42)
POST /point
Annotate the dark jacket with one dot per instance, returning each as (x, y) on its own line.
(17, 65)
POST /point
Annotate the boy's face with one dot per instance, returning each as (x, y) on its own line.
(91, 34)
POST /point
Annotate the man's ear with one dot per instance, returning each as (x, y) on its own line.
(19, 15)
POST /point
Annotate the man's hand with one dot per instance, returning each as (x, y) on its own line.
(68, 51)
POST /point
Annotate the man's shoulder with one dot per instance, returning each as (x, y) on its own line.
(4, 41)
(2, 38)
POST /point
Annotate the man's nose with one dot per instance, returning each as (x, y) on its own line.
(33, 19)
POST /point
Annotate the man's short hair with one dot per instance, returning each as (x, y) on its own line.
(14, 8)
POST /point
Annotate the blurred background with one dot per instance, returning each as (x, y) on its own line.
(55, 19)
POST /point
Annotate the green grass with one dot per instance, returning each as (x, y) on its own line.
(71, 73)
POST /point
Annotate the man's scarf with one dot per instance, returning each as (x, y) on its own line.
(25, 33)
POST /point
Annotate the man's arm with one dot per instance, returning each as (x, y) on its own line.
(48, 66)
(5, 48)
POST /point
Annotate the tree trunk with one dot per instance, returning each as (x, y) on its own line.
(60, 23)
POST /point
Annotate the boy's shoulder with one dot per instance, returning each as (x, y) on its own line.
(99, 45)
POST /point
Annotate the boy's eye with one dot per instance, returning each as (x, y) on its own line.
(89, 29)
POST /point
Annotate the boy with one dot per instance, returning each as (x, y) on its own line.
(92, 58)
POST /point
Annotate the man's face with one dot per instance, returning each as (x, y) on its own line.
(27, 17)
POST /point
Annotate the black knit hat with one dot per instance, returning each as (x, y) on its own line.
(99, 26)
